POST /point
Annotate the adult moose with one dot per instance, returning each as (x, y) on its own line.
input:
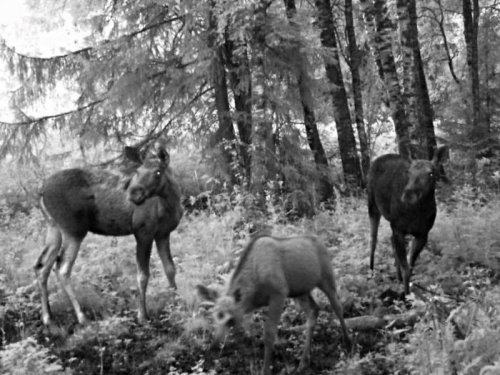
(403, 191)
(81, 200)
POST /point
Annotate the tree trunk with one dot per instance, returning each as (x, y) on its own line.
(354, 64)
(347, 142)
(383, 48)
(471, 22)
(262, 126)
(224, 137)
(407, 79)
(241, 86)
(425, 134)
(306, 98)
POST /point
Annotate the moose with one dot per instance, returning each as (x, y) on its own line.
(403, 191)
(271, 269)
(76, 201)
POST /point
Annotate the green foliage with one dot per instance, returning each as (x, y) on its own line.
(459, 295)
(470, 229)
(29, 357)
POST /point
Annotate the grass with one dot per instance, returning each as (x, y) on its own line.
(458, 273)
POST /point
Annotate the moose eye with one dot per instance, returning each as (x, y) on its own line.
(157, 173)
(220, 315)
(431, 174)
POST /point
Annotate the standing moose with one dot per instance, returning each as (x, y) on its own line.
(78, 201)
(403, 192)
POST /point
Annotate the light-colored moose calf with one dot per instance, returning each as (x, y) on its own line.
(270, 270)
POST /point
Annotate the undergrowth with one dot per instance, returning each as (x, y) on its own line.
(455, 284)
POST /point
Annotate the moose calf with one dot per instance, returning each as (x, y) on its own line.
(270, 270)
(403, 192)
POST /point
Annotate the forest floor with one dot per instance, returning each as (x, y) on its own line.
(455, 288)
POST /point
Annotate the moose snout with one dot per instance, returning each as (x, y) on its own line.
(137, 194)
(409, 196)
(220, 333)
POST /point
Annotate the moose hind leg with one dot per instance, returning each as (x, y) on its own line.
(143, 255)
(330, 289)
(276, 305)
(43, 267)
(374, 223)
(64, 265)
(163, 246)
(311, 309)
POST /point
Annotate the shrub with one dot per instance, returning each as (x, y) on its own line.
(28, 357)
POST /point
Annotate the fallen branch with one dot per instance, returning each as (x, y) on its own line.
(366, 322)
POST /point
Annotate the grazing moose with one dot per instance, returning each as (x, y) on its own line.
(403, 192)
(270, 270)
(78, 201)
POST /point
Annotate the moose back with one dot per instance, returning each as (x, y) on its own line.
(77, 201)
(403, 191)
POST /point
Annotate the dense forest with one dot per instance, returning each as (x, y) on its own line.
(271, 113)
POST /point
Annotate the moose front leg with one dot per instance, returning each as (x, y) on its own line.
(399, 246)
(143, 255)
(163, 246)
(311, 309)
(417, 245)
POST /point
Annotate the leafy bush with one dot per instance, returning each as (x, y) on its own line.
(468, 232)
(28, 357)
(457, 333)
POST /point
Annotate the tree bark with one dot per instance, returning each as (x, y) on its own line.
(224, 137)
(306, 98)
(471, 22)
(347, 142)
(421, 103)
(262, 126)
(383, 48)
(354, 64)
(241, 85)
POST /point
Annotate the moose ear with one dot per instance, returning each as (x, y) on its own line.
(207, 293)
(162, 152)
(133, 154)
(440, 155)
(163, 156)
(126, 183)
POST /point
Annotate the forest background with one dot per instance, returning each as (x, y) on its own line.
(272, 112)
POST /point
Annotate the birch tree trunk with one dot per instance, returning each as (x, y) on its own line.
(382, 42)
(241, 85)
(420, 103)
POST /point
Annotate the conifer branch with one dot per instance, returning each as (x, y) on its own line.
(31, 120)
